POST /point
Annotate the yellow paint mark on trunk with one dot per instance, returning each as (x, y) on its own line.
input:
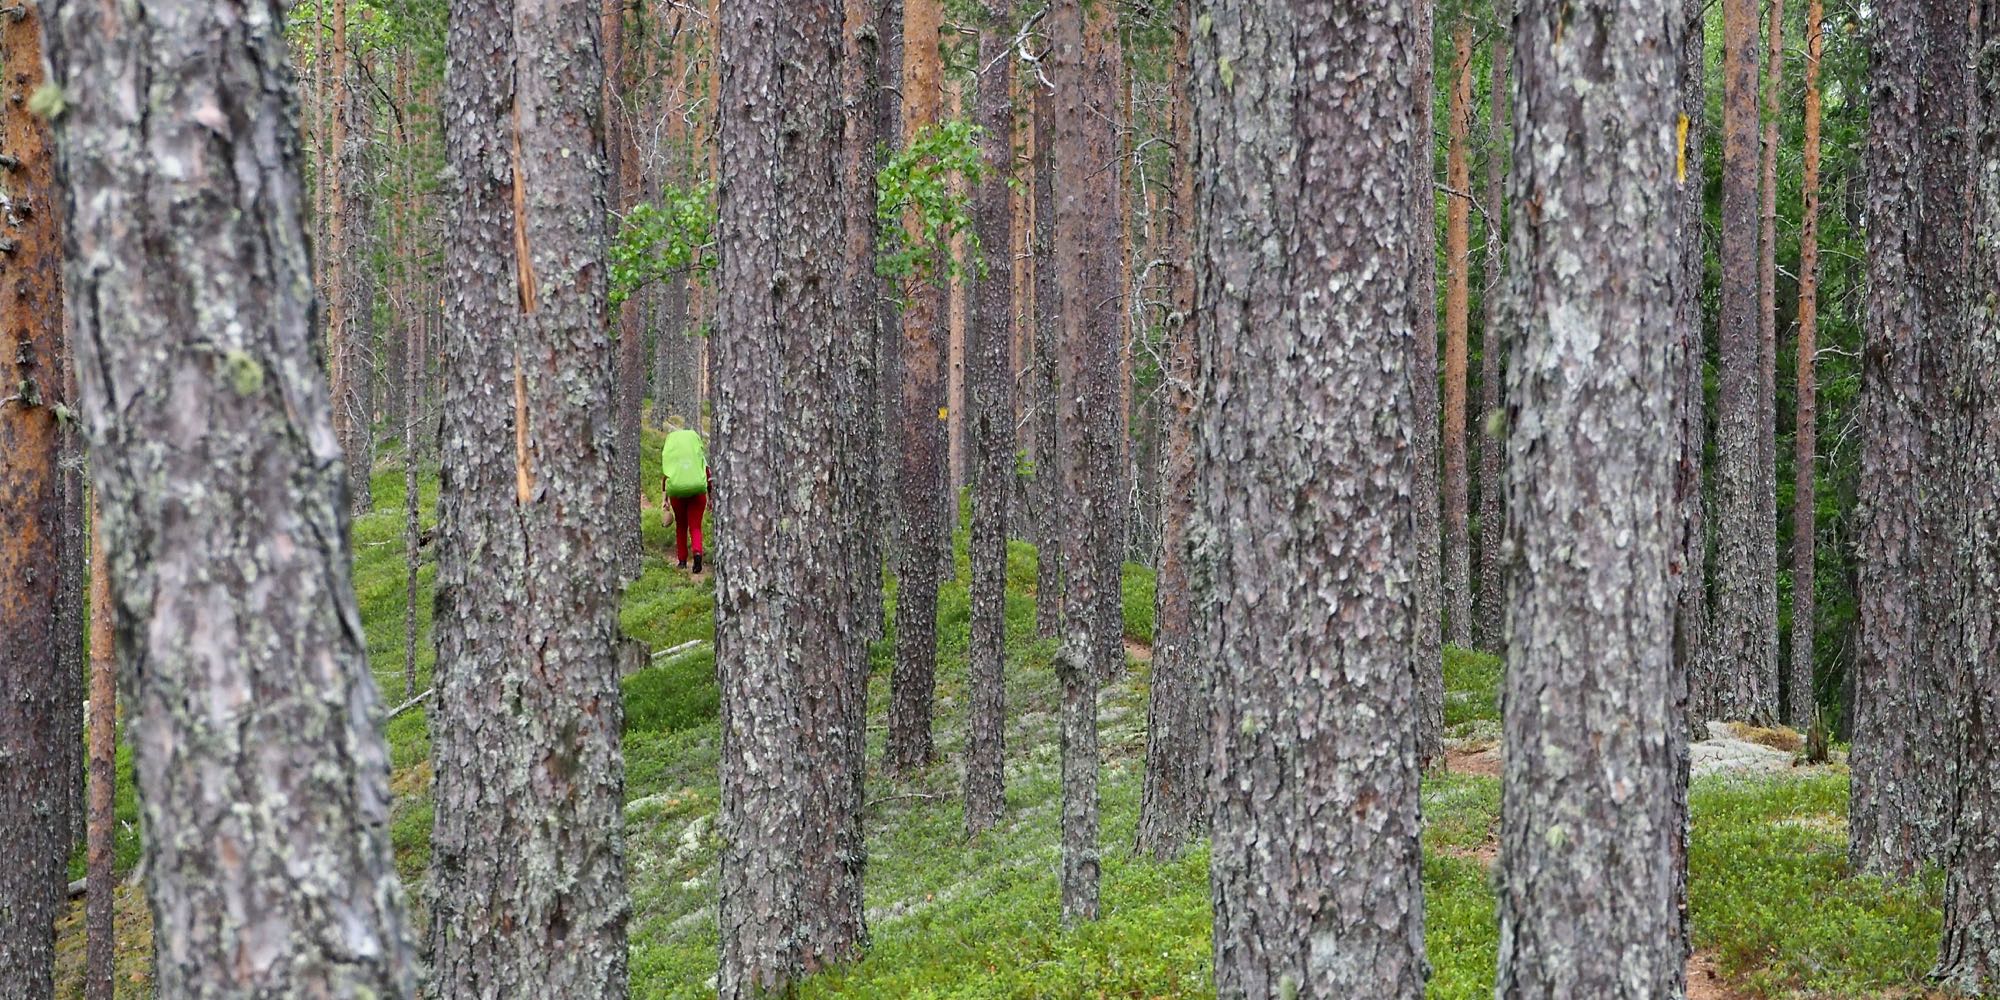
(1681, 171)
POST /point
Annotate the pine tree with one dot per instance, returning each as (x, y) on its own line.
(622, 177)
(1309, 268)
(226, 536)
(1907, 653)
(1492, 345)
(1458, 324)
(100, 942)
(926, 516)
(1698, 683)
(1805, 449)
(1175, 804)
(1590, 820)
(1969, 954)
(1429, 635)
(527, 879)
(1765, 534)
(351, 293)
(790, 653)
(989, 378)
(34, 713)
(1048, 484)
(1086, 64)
(1741, 682)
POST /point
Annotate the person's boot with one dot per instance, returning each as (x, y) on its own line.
(684, 564)
(697, 564)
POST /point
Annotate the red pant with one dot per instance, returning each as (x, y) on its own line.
(688, 512)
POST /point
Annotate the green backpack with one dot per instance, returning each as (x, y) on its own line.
(684, 461)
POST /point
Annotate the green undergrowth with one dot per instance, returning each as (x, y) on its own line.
(958, 918)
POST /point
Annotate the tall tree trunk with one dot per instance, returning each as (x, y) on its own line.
(1691, 617)
(1086, 64)
(1766, 493)
(351, 320)
(1907, 654)
(73, 568)
(101, 880)
(889, 115)
(1688, 370)
(1805, 447)
(527, 852)
(321, 137)
(1314, 764)
(926, 514)
(991, 416)
(1130, 529)
(630, 398)
(414, 353)
(1048, 336)
(1021, 175)
(672, 360)
(1590, 821)
(957, 303)
(830, 446)
(1428, 637)
(1969, 954)
(1492, 606)
(792, 663)
(878, 546)
(219, 479)
(1175, 803)
(36, 712)
(1745, 615)
(1457, 326)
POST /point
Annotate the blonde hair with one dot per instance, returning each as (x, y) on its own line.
(675, 423)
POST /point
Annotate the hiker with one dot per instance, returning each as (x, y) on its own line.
(684, 482)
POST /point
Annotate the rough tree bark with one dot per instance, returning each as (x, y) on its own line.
(101, 880)
(886, 108)
(791, 657)
(926, 515)
(622, 177)
(1805, 445)
(220, 481)
(1047, 382)
(1174, 806)
(1492, 608)
(351, 324)
(527, 852)
(1969, 955)
(675, 383)
(989, 381)
(415, 351)
(35, 713)
(1906, 654)
(1745, 617)
(1590, 821)
(1086, 59)
(1687, 368)
(1457, 325)
(1022, 182)
(1306, 265)
(1691, 621)
(1428, 638)
(73, 568)
(1766, 492)
(828, 337)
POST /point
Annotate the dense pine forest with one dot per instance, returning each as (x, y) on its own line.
(1000, 498)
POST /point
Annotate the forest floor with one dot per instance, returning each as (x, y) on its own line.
(1774, 913)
